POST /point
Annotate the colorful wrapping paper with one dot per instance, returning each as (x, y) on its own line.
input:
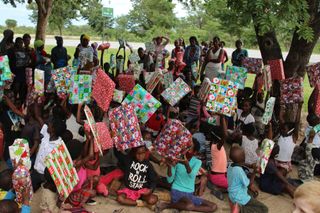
(134, 57)
(147, 76)
(126, 82)
(39, 81)
(136, 70)
(176, 92)
(277, 69)
(19, 150)
(264, 155)
(5, 69)
(145, 104)
(154, 80)
(125, 129)
(204, 89)
(174, 140)
(60, 166)
(222, 97)
(253, 65)
(118, 96)
(267, 79)
(103, 90)
(167, 79)
(104, 137)
(237, 75)
(93, 128)
(20, 180)
(80, 89)
(291, 90)
(313, 71)
(268, 111)
(62, 79)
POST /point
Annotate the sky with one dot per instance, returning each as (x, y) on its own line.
(21, 14)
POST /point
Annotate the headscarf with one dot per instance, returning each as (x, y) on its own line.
(38, 43)
(85, 36)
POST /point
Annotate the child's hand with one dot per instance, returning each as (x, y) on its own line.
(254, 189)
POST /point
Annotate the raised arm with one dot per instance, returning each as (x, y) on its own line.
(79, 120)
(13, 107)
(167, 40)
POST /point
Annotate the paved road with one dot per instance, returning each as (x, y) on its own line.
(252, 53)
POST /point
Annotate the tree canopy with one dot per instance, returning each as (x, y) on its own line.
(11, 23)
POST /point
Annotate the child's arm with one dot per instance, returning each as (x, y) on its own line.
(37, 112)
(167, 40)
(13, 107)
(224, 131)
(193, 169)
(270, 132)
(78, 119)
(226, 55)
(130, 48)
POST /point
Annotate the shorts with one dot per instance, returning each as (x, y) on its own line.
(177, 195)
(219, 180)
(133, 194)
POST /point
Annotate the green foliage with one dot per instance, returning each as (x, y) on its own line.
(149, 15)
(11, 23)
(13, 2)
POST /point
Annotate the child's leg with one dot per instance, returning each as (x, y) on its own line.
(122, 199)
(254, 206)
(202, 185)
(289, 189)
(150, 199)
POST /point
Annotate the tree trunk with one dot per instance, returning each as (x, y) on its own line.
(60, 30)
(44, 11)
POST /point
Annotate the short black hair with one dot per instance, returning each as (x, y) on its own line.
(26, 35)
(75, 148)
(6, 179)
(59, 126)
(9, 206)
(248, 129)
(67, 136)
(223, 43)
(233, 151)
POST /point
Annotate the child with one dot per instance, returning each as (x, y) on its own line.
(10, 206)
(244, 114)
(249, 144)
(183, 176)
(139, 179)
(287, 144)
(306, 198)
(238, 184)
(273, 181)
(6, 191)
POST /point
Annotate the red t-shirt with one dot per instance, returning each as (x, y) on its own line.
(155, 124)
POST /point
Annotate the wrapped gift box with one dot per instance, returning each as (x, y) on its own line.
(80, 89)
(253, 65)
(267, 79)
(291, 90)
(5, 69)
(204, 89)
(125, 129)
(93, 128)
(268, 111)
(60, 166)
(62, 79)
(144, 103)
(313, 71)
(20, 180)
(39, 81)
(154, 80)
(134, 57)
(174, 140)
(103, 90)
(167, 79)
(264, 155)
(277, 69)
(147, 76)
(222, 97)
(104, 137)
(136, 69)
(176, 92)
(126, 82)
(118, 96)
(237, 75)
(19, 150)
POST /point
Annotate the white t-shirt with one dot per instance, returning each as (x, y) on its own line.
(73, 126)
(286, 146)
(46, 146)
(246, 120)
(250, 149)
(316, 139)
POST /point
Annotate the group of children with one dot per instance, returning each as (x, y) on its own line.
(133, 176)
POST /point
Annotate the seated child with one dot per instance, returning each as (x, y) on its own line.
(10, 206)
(273, 180)
(6, 188)
(182, 176)
(286, 144)
(139, 179)
(238, 184)
(249, 144)
(306, 198)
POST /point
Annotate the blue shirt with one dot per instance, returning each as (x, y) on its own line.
(181, 180)
(238, 183)
(238, 56)
(191, 59)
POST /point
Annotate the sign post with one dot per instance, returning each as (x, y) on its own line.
(107, 12)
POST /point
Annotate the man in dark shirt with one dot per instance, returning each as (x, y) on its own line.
(59, 56)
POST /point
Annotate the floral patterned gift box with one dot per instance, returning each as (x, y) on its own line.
(291, 90)
(176, 92)
(237, 75)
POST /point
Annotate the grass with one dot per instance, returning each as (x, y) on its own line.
(249, 83)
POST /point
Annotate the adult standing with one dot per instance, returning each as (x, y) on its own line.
(239, 54)
(84, 53)
(191, 58)
(212, 64)
(59, 55)
(160, 47)
(7, 42)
